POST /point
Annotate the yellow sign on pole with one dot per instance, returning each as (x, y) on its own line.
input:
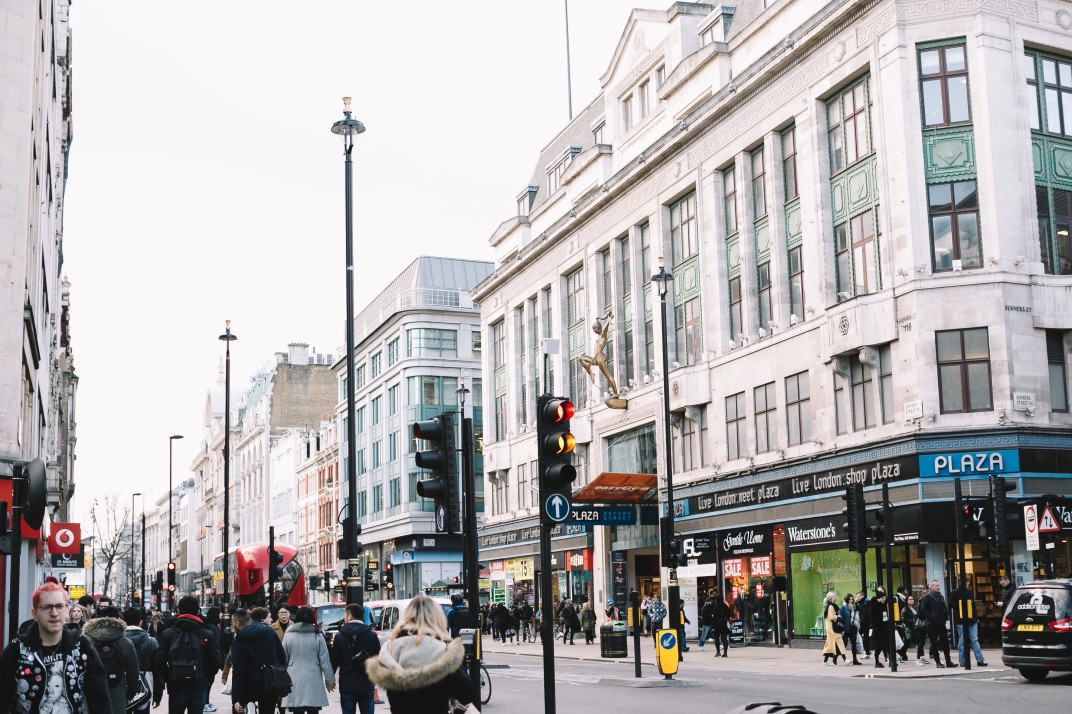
(76, 591)
(666, 656)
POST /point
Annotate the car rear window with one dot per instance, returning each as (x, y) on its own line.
(1040, 605)
(329, 615)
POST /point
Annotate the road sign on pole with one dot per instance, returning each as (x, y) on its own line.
(1048, 522)
(1031, 526)
(557, 507)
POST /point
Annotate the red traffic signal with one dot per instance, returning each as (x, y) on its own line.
(558, 411)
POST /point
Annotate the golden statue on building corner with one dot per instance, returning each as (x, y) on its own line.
(602, 328)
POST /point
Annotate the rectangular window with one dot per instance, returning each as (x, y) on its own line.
(377, 402)
(797, 408)
(1049, 81)
(377, 498)
(684, 229)
(392, 446)
(607, 280)
(359, 420)
(766, 417)
(627, 114)
(362, 467)
(597, 133)
(376, 454)
(840, 412)
(789, 163)
(477, 343)
(392, 400)
(1055, 356)
(690, 448)
(396, 493)
(359, 377)
(627, 267)
(954, 211)
(759, 193)
(498, 338)
(729, 200)
(660, 75)
(856, 254)
(735, 426)
(688, 331)
(377, 364)
(642, 99)
(392, 352)
(763, 285)
(849, 126)
(1055, 227)
(862, 379)
(964, 370)
(796, 282)
(885, 383)
(429, 342)
(736, 309)
(943, 86)
(500, 417)
(575, 310)
(522, 486)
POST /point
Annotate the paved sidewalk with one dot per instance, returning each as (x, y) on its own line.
(761, 659)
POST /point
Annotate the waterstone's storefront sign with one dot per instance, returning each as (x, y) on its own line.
(970, 463)
(819, 483)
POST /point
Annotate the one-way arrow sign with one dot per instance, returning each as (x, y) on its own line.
(557, 507)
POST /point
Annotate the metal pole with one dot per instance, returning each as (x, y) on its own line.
(547, 632)
(18, 496)
(228, 338)
(471, 555)
(634, 603)
(961, 577)
(143, 555)
(133, 580)
(887, 520)
(353, 589)
(673, 590)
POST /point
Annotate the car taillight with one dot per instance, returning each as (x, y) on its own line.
(1064, 625)
(1006, 624)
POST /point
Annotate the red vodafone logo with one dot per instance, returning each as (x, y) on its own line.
(65, 538)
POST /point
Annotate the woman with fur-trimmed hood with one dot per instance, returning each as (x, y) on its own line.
(117, 654)
(420, 666)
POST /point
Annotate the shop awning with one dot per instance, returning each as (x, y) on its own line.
(617, 488)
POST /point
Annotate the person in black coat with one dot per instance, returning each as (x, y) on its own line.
(571, 623)
(933, 607)
(722, 627)
(355, 643)
(186, 697)
(255, 645)
(880, 626)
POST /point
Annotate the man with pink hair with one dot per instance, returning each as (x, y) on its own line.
(49, 669)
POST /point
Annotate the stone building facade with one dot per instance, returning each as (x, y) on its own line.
(865, 209)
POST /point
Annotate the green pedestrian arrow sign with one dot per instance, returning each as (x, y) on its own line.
(557, 507)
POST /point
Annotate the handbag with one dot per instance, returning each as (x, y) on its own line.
(922, 625)
(277, 681)
(140, 699)
(838, 627)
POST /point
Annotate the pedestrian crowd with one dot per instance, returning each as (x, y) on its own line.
(862, 626)
(88, 657)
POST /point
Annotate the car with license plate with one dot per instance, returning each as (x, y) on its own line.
(391, 612)
(1036, 631)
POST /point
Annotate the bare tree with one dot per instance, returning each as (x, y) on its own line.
(112, 544)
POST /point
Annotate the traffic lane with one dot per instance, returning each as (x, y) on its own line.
(596, 686)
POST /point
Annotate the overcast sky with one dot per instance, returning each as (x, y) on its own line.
(205, 184)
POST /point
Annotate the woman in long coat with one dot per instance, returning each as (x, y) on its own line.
(834, 645)
(308, 664)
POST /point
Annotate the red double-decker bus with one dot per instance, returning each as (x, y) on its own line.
(248, 569)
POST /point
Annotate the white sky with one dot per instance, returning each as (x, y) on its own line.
(205, 183)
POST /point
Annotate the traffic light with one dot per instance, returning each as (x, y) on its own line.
(674, 546)
(855, 512)
(171, 577)
(442, 461)
(555, 443)
(974, 527)
(998, 488)
(876, 533)
(388, 577)
(275, 563)
(341, 551)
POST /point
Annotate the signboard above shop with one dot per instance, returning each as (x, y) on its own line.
(969, 463)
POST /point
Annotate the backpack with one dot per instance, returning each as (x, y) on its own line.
(112, 660)
(185, 658)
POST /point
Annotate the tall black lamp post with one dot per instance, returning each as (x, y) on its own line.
(170, 513)
(348, 128)
(133, 559)
(227, 338)
(663, 279)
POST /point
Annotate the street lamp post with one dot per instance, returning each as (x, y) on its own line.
(663, 279)
(348, 128)
(170, 514)
(227, 338)
(133, 560)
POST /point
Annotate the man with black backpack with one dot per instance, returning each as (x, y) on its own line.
(146, 647)
(117, 655)
(189, 657)
(354, 644)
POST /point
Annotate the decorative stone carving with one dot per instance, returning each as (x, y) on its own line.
(843, 324)
(1063, 19)
(839, 51)
(869, 356)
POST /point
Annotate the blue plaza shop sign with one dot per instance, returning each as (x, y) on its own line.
(969, 463)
